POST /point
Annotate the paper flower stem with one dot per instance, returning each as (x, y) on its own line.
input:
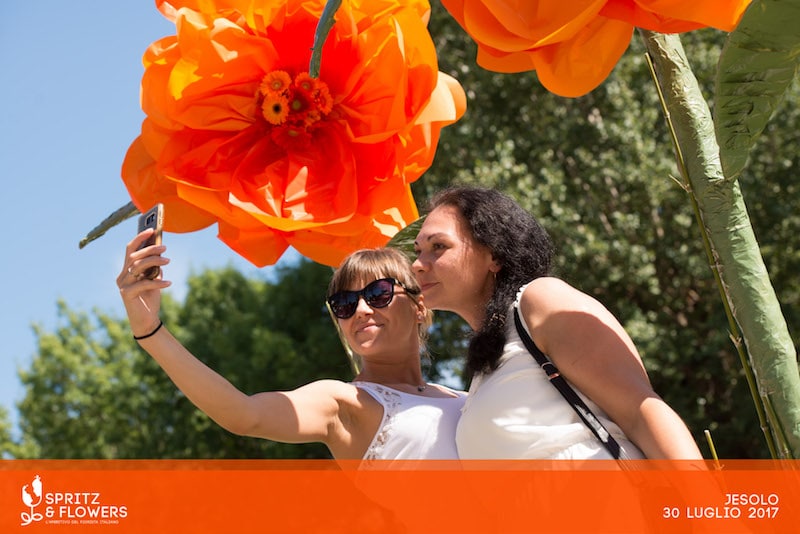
(125, 212)
(321, 34)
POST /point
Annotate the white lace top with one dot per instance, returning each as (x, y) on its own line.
(515, 413)
(414, 427)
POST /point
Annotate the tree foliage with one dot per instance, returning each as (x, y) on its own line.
(8, 447)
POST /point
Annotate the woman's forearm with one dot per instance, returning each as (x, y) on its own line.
(204, 387)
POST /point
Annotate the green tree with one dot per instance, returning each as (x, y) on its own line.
(8, 448)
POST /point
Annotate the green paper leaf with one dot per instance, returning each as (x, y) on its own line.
(759, 61)
(404, 239)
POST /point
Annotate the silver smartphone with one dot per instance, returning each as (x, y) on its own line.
(152, 218)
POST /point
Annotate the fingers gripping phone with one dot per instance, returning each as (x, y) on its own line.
(152, 218)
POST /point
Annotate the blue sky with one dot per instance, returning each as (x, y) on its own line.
(69, 106)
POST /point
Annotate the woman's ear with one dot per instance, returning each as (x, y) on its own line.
(422, 310)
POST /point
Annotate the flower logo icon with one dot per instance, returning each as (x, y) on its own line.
(32, 497)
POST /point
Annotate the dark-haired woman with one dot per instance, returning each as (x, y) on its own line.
(479, 254)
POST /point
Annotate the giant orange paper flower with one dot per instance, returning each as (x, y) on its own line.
(574, 45)
(238, 133)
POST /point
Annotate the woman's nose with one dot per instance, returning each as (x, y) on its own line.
(362, 307)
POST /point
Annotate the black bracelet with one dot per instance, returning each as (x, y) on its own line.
(160, 324)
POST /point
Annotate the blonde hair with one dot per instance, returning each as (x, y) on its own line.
(366, 265)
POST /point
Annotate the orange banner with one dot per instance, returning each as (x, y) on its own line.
(318, 496)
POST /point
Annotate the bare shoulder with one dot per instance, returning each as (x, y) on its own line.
(331, 399)
(330, 388)
(560, 315)
(345, 398)
(548, 294)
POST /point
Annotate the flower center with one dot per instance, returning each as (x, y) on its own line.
(293, 106)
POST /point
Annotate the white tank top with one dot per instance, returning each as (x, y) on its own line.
(515, 413)
(414, 427)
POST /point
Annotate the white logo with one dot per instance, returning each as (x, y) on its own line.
(79, 508)
(32, 497)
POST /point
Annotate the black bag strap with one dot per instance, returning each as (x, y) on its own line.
(583, 411)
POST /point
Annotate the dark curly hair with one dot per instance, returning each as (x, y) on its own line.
(517, 242)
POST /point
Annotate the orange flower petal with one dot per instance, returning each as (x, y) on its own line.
(330, 249)
(147, 187)
(378, 94)
(314, 186)
(448, 104)
(388, 209)
(674, 16)
(510, 62)
(218, 204)
(513, 26)
(575, 67)
(260, 245)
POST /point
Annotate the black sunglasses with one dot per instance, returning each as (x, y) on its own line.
(377, 294)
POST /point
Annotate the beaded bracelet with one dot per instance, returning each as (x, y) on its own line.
(156, 329)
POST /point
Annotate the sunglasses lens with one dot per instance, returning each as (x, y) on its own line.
(379, 293)
(344, 303)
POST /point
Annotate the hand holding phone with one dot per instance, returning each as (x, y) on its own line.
(152, 218)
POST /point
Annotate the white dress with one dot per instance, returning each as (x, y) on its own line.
(414, 427)
(515, 413)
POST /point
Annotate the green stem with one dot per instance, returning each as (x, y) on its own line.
(767, 349)
(326, 21)
(125, 212)
(732, 326)
(712, 447)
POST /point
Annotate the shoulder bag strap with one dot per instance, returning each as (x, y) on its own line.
(583, 411)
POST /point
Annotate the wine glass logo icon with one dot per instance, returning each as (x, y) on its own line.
(32, 497)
